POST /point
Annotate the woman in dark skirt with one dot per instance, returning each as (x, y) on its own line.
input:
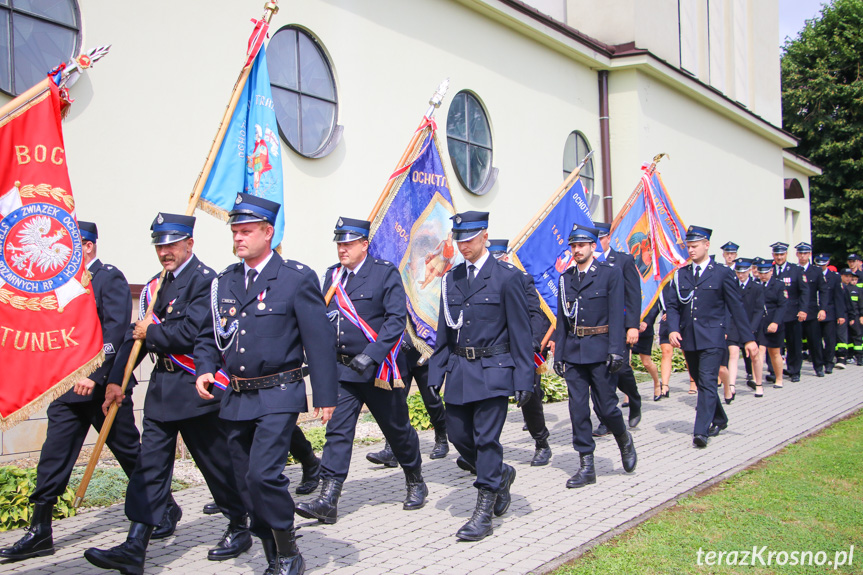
(772, 335)
(644, 348)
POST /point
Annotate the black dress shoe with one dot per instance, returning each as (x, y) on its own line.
(384, 457)
(786, 372)
(828, 370)
(770, 378)
(211, 508)
(624, 404)
(441, 444)
(634, 418)
(129, 556)
(600, 431)
(417, 490)
(168, 525)
(542, 454)
(465, 464)
(714, 430)
(586, 474)
(311, 476)
(795, 378)
(750, 384)
(236, 540)
(699, 441)
(38, 540)
(819, 373)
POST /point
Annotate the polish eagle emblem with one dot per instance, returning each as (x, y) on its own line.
(38, 248)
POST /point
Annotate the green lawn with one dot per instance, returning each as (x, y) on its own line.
(808, 497)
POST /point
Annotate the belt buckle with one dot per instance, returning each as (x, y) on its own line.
(169, 365)
(579, 331)
(470, 353)
(235, 384)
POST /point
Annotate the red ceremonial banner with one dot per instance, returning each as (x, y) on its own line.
(50, 336)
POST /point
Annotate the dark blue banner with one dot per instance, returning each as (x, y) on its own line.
(545, 253)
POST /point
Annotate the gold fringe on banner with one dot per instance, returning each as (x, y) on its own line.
(61, 387)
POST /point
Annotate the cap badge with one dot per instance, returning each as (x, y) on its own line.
(458, 219)
(239, 199)
(160, 219)
(341, 222)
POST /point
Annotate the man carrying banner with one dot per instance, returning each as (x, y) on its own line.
(705, 292)
(71, 415)
(589, 349)
(483, 350)
(631, 321)
(369, 312)
(534, 416)
(172, 407)
(266, 312)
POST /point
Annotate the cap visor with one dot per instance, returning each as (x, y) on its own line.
(164, 239)
(465, 235)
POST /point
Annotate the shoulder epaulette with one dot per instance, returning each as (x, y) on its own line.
(295, 266)
(230, 268)
(383, 262)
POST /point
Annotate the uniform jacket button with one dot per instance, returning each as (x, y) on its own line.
(242, 350)
(242, 332)
(343, 347)
(242, 368)
(243, 314)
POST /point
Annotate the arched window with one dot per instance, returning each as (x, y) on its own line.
(468, 137)
(304, 92)
(36, 36)
(574, 151)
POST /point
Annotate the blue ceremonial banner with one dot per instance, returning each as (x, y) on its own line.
(413, 231)
(649, 228)
(249, 159)
(544, 254)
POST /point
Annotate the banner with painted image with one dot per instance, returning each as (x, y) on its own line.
(649, 228)
(413, 231)
(249, 159)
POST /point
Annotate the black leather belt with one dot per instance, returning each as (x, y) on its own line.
(477, 352)
(164, 363)
(267, 381)
(344, 359)
(581, 331)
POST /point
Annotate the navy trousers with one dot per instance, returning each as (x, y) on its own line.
(584, 380)
(420, 374)
(68, 424)
(258, 453)
(534, 416)
(704, 369)
(794, 346)
(389, 409)
(474, 428)
(150, 484)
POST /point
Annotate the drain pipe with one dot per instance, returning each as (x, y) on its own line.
(605, 147)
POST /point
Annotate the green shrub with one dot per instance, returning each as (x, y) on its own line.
(16, 485)
(553, 388)
(419, 416)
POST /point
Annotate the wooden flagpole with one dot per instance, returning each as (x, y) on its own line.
(419, 133)
(270, 8)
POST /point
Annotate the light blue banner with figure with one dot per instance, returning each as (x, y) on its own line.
(249, 159)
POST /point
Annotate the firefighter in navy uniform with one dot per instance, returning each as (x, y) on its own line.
(752, 293)
(265, 312)
(632, 322)
(368, 310)
(729, 254)
(834, 309)
(704, 294)
(534, 416)
(854, 313)
(589, 350)
(815, 311)
(856, 266)
(797, 288)
(172, 407)
(483, 350)
(71, 415)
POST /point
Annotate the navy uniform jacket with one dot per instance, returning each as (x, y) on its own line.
(600, 302)
(753, 304)
(834, 304)
(114, 308)
(796, 287)
(702, 321)
(494, 312)
(631, 287)
(379, 298)
(775, 302)
(539, 322)
(182, 306)
(853, 305)
(819, 293)
(271, 340)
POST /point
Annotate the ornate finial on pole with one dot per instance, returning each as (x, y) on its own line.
(270, 8)
(437, 97)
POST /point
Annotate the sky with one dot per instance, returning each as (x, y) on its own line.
(793, 15)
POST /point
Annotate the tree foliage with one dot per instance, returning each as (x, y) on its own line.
(822, 101)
